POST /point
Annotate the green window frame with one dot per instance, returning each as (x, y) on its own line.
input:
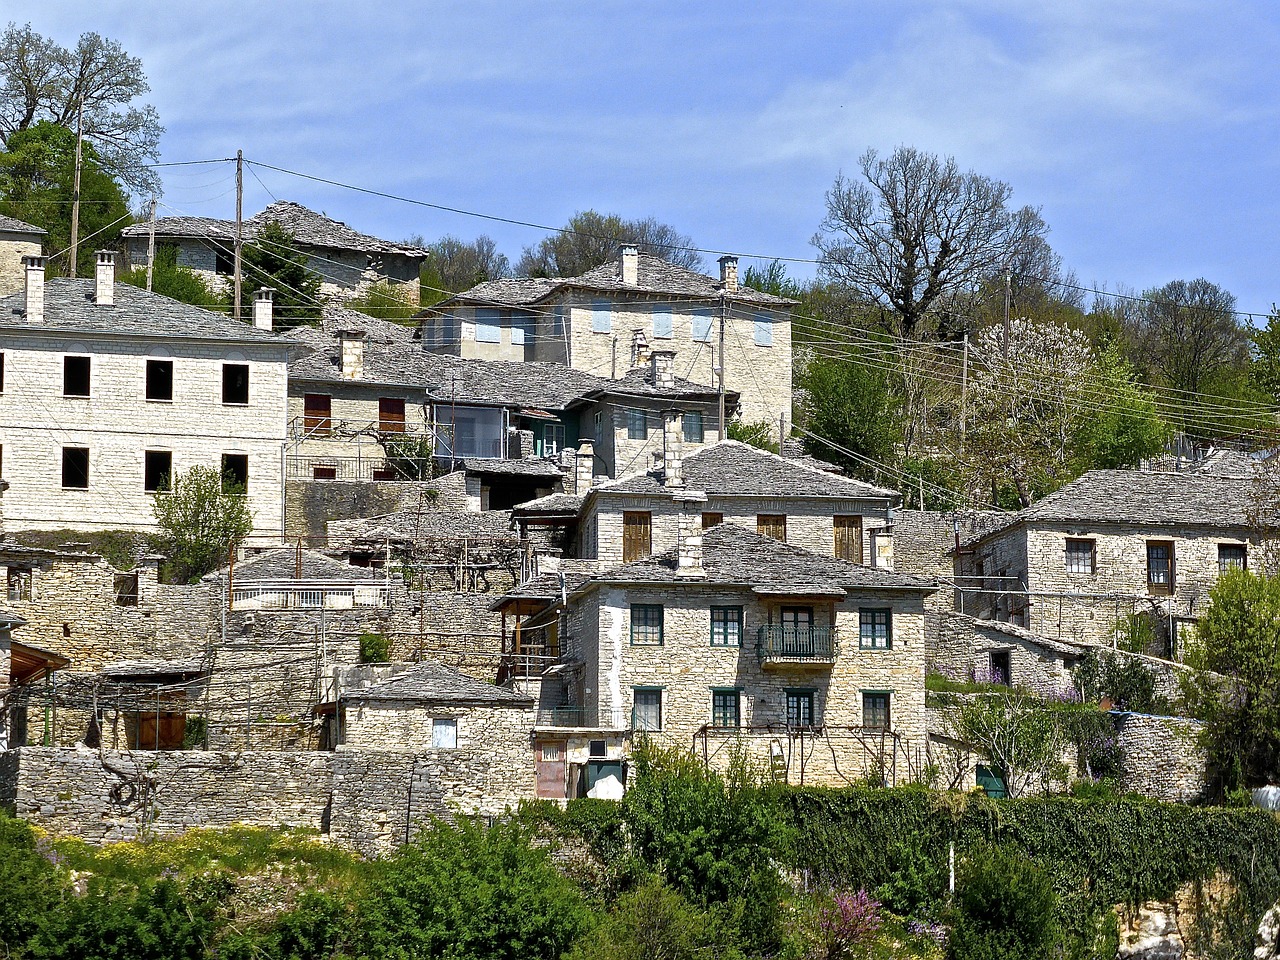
(646, 624)
(875, 628)
(802, 708)
(877, 710)
(726, 707)
(646, 708)
(726, 626)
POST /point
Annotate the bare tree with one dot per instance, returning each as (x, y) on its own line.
(590, 239)
(97, 80)
(919, 231)
(1187, 332)
(455, 266)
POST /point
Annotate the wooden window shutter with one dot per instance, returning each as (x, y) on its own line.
(848, 532)
(772, 525)
(637, 535)
(317, 413)
(390, 415)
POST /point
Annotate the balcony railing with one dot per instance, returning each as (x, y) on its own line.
(308, 595)
(589, 718)
(358, 468)
(779, 644)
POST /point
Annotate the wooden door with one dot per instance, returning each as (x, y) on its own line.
(637, 535)
(848, 531)
(550, 771)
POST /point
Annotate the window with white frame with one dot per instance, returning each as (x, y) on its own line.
(1082, 555)
(647, 709)
(763, 330)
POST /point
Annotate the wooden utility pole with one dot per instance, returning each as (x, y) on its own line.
(239, 226)
(151, 244)
(75, 190)
(964, 390)
(724, 310)
(1008, 296)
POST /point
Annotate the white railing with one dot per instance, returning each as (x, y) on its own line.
(308, 595)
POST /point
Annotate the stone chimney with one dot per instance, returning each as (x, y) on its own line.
(35, 288)
(352, 354)
(262, 304)
(729, 274)
(105, 291)
(584, 467)
(662, 369)
(639, 347)
(672, 456)
(630, 264)
(689, 548)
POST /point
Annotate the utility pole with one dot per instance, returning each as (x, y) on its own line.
(1008, 295)
(151, 244)
(724, 311)
(964, 390)
(75, 190)
(239, 225)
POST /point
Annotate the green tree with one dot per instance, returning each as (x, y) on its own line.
(26, 864)
(1236, 691)
(37, 181)
(454, 266)
(171, 279)
(654, 922)
(1127, 429)
(96, 86)
(850, 404)
(1004, 909)
(758, 434)
(590, 239)
(1020, 734)
(272, 259)
(1264, 354)
(200, 519)
(772, 278)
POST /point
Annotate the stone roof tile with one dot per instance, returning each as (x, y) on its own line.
(429, 682)
(655, 275)
(12, 225)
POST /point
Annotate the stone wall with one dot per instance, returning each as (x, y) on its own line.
(311, 504)
(13, 275)
(924, 544)
(1162, 759)
(960, 648)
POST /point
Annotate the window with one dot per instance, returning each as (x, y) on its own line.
(126, 589)
(848, 535)
(662, 323)
(157, 469)
(75, 468)
(19, 583)
(1000, 667)
(725, 711)
(647, 711)
(693, 429)
(75, 376)
(646, 624)
(637, 535)
(874, 629)
(702, 325)
(1082, 556)
(1, 373)
(235, 472)
(557, 324)
(552, 439)
(488, 326)
(552, 752)
(235, 383)
(601, 316)
(1159, 566)
(224, 264)
(444, 734)
(1231, 556)
(764, 330)
(726, 626)
(390, 415)
(800, 712)
(637, 425)
(772, 525)
(711, 519)
(317, 414)
(519, 327)
(875, 710)
(324, 473)
(159, 379)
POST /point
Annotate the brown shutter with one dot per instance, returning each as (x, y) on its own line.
(316, 415)
(637, 535)
(390, 415)
(772, 525)
(848, 538)
(710, 519)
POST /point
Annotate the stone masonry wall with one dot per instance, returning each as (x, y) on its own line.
(1161, 757)
(960, 647)
(311, 504)
(924, 544)
(13, 275)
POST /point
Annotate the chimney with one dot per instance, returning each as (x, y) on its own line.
(662, 369)
(630, 264)
(689, 548)
(639, 346)
(672, 457)
(105, 294)
(729, 274)
(35, 288)
(262, 302)
(352, 354)
(584, 468)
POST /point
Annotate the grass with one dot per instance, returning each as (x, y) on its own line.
(937, 683)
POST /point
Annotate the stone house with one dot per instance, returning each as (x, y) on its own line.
(965, 648)
(347, 261)
(814, 664)
(1109, 545)
(20, 666)
(601, 321)
(18, 240)
(107, 391)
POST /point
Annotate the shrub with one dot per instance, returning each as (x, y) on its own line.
(1004, 909)
(651, 922)
(29, 876)
(375, 648)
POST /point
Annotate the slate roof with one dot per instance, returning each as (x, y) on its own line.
(12, 225)
(430, 682)
(733, 468)
(735, 555)
(1063, 647)
(1140, 498)
(547, 585)
(793, 449)
(308, 227)
(556, 503)
(151, 669)
(399, 363)
(69, 306)
(529, 467)
(639, 383)
(655, 275)
(282, 564)
(515, 292)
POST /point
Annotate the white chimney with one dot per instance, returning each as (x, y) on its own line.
(689, 553)
(105, 294)
(35, 288)
(352, 356)
(584, 467)
(729, 274)
(262, 305)
(630, 264)
(672, 455)
(662, 369)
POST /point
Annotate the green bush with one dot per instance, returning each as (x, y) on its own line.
(1004, 909)
(653, 921)
(375, 648)
(30, 880)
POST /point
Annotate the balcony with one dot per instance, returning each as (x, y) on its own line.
(797, 647)
(589, 718)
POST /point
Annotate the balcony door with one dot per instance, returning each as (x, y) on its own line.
(797, 631)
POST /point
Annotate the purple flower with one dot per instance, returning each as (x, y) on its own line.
(850, 920)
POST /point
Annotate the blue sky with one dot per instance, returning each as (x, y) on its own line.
(1146, 130)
